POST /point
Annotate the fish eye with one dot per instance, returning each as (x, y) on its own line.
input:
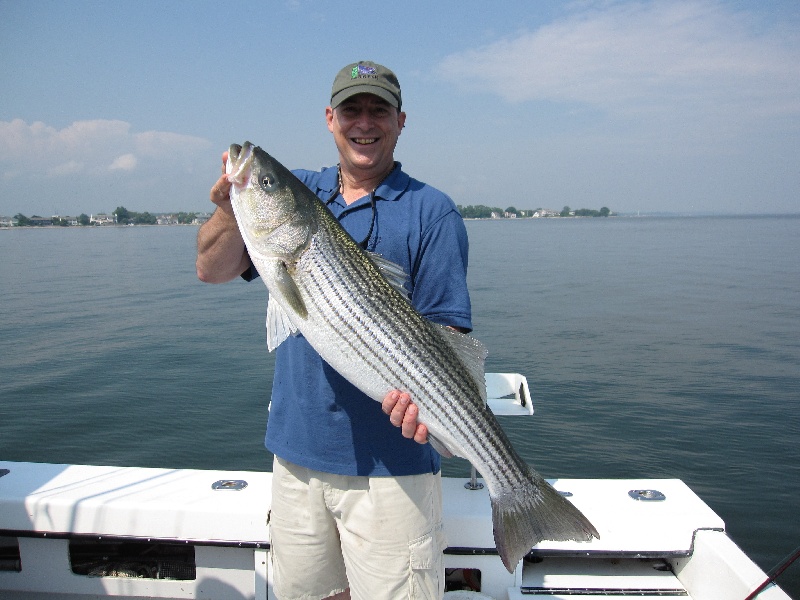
(268, 182)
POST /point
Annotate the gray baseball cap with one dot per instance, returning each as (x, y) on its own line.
(366, 77)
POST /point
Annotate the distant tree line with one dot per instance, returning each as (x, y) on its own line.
(585, 212)
(22, 221)
(122, 216)
(127, 217)
(487, 212)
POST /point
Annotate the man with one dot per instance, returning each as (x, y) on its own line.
(356, 508)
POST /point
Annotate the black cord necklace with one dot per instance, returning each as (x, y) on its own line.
(373, 204)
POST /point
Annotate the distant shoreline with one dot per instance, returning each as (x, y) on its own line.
(6, 227)
(613, 216)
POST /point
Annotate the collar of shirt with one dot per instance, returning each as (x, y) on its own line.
(390, 188)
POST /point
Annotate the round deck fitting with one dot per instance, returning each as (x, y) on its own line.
(229, 484)
(647, 495)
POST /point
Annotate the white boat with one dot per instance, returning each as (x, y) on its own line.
(79, 531)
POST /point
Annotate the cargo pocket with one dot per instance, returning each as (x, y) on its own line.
(426, 560)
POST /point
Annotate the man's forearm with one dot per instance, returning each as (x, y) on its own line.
(221, 254)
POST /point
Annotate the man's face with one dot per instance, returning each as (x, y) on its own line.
(365, 129)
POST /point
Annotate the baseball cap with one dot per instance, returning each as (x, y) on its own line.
(366, 77)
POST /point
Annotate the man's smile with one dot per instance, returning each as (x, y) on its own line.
(364, 141)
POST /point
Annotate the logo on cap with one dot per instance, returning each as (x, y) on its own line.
(362, 71)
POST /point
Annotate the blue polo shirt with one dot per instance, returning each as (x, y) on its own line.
(318, 419)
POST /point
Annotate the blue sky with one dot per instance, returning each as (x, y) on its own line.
(685, 106)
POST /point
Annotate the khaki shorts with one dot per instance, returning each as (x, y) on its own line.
(380, 536)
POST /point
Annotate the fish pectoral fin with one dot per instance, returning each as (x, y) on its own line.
(287, 288)
(440, 446)
(279, 326)
(472, 353)
(394, 273)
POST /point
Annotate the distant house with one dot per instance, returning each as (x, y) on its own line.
(102, 219)
(59, 220)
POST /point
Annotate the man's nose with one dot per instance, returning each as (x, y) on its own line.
(364, 120)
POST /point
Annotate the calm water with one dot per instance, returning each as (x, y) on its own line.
(654, 347)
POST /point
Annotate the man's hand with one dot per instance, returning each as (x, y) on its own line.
(221, 190)
(403, 414)
(221, 255)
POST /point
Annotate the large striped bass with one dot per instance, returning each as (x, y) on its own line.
(351, 307)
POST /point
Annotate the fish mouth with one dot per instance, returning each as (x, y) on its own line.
(240, 163)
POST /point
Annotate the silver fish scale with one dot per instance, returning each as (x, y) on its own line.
(342, 288)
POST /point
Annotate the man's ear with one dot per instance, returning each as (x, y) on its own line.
(329, 118)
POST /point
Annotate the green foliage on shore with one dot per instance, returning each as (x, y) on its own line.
(126, 217)
(478, 212)
(122, 216)
(493, 212)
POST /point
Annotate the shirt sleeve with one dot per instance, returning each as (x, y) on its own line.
(440, 274)
(250, 273)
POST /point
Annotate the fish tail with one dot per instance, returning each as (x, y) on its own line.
(525, 515)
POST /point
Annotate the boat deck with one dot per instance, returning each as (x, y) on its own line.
(659, 519)
(55, 520)
(58, 522)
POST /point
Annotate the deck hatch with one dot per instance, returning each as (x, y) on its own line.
(132, 559)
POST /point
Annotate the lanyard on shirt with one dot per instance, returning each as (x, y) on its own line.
(372, 203)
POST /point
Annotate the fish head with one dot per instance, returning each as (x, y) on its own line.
(273, 208)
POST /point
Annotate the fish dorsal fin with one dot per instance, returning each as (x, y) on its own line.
(394, 273)
(279, 326)
(472, 353)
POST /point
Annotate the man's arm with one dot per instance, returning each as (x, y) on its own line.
(221, 254)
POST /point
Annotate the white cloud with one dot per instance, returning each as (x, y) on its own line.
(68, 168)
(90, 148)
(162, 144)
(644, 58)
(97, 165)
(126, 162)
